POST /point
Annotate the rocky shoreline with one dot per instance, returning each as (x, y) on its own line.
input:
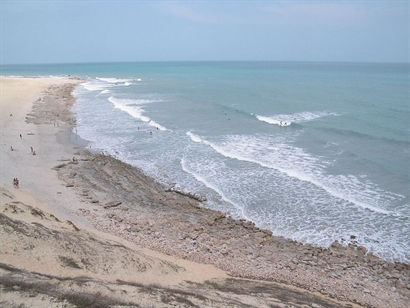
(119, 199)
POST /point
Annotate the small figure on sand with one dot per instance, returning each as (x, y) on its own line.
(150, 132)
(11, 114)
(32, 150)
(34, 153)
(11, 148)
(16, 183)
(21, 137)
(74, 159)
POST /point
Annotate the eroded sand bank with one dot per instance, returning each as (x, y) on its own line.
(71, 261)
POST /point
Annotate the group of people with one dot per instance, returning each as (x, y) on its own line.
(33, 152)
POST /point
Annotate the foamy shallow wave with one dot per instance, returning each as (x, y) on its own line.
(296, 163)
(300, 117)
(131, 107)
(114, 80)
(130, 101)
(95, 86)
(211, 186)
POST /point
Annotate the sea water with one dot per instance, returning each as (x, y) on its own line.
(315, 152)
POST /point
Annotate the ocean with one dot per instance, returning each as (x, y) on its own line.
(315, 152)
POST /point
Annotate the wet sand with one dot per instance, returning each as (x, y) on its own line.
(95, 224)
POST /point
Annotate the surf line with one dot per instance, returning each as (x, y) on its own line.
(201, 179)
(289, 173)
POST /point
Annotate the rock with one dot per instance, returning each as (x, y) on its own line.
(335, 245)
(59, 166)
(362, 250)
(112, 204)
(352, 237)
(73, 225)
(267, 232)
(187, 194)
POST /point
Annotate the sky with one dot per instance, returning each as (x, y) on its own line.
(76, 31)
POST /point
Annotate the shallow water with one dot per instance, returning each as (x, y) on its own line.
(313, 151)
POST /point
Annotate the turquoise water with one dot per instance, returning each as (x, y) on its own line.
(340, 167)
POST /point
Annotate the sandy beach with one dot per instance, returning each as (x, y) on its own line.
(87, 230)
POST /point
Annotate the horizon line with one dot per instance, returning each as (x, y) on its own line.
(205, 61)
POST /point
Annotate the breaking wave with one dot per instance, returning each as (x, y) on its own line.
(132, 107)
(299, 117)
(296, 163)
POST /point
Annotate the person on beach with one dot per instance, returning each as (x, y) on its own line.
(16, 183)
(31, 149)
(11, 148)
(34, 153)
(21, 137)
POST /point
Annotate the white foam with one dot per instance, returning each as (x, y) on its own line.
(130, 106)
(194, 137)
(208, 184)
(95, 86)
(130, 101)
(296, 163)
(114, 80)
(287, 119)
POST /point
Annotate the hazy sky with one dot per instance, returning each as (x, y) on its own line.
(119, 30)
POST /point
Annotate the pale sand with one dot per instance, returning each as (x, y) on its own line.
(56, 259)
(39, 184)
(16, 97)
